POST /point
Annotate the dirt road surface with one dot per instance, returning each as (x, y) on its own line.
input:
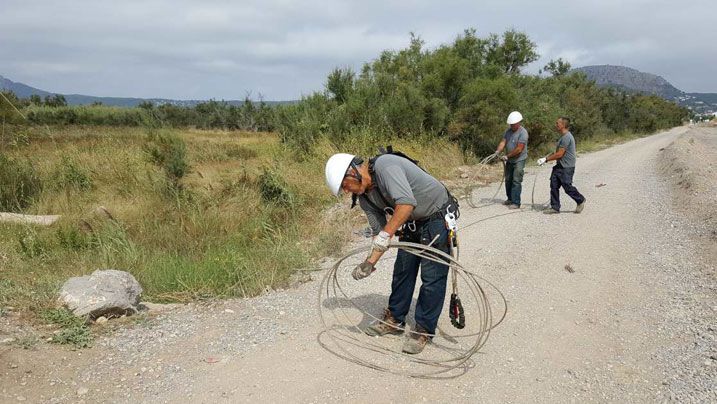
(634, 322)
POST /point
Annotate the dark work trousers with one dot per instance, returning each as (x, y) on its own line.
(514, 180)
(433, 278)
(563, 176)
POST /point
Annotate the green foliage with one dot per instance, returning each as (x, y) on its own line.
(9, 106)
(19, 184)
(61, 317)
(78, 336)
(55, 100)
(169, 152)
(250, 116)
(71, 175)
(32, 244)
(464, 90)
(339, 84)
(558, 67)
(70, 238)
(480, 120)
(515, 51)
(73, 329)
(273, 188)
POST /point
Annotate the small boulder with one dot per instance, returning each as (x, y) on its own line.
(106, 293)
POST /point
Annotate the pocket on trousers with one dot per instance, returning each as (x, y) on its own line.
(433, 229)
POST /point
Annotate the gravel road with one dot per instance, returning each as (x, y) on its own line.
(634, 322)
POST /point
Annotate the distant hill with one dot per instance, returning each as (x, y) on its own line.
(635, 81)
(21, 90)
(25, 91)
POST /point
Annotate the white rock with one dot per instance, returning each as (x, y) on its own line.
(103, 292)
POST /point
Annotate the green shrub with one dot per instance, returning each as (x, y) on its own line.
(273, 188)
(70, 175)
(169, 152)
(73, 329)
(72, 239)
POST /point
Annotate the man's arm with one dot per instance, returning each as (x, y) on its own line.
(501, 146)
(401, 214)
(557, 155)
(516, 152)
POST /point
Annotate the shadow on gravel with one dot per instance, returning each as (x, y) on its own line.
(371, 306)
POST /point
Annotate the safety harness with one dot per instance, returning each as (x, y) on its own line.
(451, 211)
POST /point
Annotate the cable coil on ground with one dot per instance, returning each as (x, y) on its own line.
(344, 316)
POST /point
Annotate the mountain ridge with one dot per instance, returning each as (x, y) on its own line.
(25, 91)
(632, 80)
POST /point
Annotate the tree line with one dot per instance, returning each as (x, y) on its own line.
(462, 90)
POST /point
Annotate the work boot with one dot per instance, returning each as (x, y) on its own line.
(389, 325)
(506, 203)
(416, 341)
(550, 211)
(580, 207)
(513, 206)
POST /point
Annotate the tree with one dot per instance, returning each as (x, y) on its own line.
(148, 105)
(514, 52)
(472, 49)
(339, 84)
(56, 100)
(557, 68)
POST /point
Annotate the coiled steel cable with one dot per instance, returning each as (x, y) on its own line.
(343, 337)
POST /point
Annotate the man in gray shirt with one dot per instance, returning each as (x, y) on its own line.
(564, 169)
(393, 186)
(515, 142)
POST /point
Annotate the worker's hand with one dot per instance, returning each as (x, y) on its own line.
(504, 158)
(380, 242)
(363, 270)
(542, 161)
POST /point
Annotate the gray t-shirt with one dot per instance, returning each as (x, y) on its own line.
(567, 141)
(511, 142)
(402, 183)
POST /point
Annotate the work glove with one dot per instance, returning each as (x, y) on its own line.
(542, 161)
(380, 242)
(363, 270)
(504, 158)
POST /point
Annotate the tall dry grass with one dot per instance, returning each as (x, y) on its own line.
(242, 217)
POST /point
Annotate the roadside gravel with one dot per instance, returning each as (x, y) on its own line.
(633, 322)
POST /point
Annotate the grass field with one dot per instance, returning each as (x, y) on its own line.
(191, 214)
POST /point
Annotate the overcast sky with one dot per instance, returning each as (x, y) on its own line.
(282, 49)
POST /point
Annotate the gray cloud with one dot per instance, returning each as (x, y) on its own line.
(283, 49)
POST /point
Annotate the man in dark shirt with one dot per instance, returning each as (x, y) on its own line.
(564, 169)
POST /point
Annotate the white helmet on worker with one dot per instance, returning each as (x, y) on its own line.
(514, 117)
(336, 168)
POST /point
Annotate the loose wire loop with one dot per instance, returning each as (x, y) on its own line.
(451, 353)
(468, 191)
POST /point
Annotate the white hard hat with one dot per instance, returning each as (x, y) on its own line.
(336, 168)
(514, 117)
